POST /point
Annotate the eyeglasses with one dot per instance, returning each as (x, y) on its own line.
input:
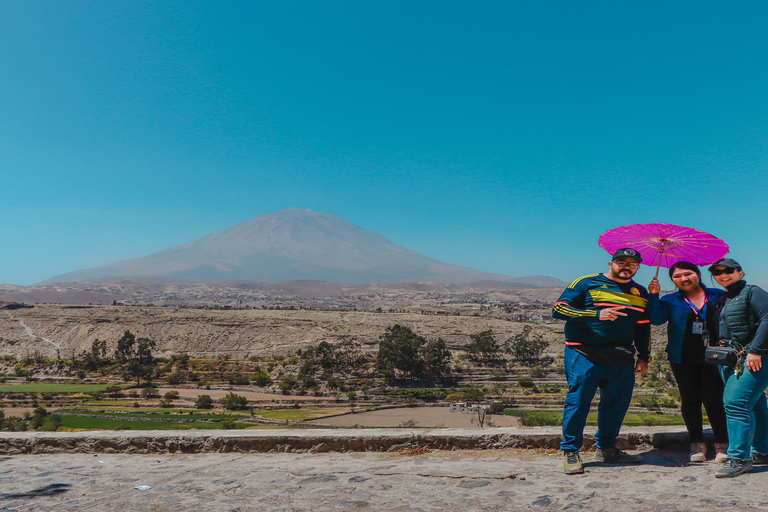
(623, 264)
(726, 270)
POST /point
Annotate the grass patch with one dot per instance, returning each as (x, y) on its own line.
(75, 422)
(170, 415)
(630, 420)
(45, 387)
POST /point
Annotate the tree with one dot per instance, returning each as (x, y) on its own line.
(436, 357)
(124, 350)
(480, 416)
(234, 402)
(136, 355)
(483, 346)
(399, 349)
(261, 378)
(204, 402)
(527, 347)
(175, 378)
(149, 392)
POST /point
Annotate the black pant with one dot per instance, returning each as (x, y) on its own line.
(701, 384)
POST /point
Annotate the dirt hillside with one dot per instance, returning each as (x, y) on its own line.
(60, 330)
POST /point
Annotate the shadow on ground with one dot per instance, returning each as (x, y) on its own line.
(43, 492)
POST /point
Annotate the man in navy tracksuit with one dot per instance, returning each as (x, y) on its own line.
(606, 320)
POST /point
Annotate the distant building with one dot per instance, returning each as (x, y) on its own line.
(467, 408)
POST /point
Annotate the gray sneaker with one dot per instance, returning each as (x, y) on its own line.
(734, 467)
(759, 458)
(614, 455)
(572, 463)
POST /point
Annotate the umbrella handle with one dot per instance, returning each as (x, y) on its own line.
(661, 253)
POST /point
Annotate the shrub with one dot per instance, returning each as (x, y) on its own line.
(528, 420)
(238, 379)
(526, 346)
(234, 402)
(175, 378)
(204, 402)
(525, 381)
(497, 407)
(171, 395)
(261, 378)
(149, 392)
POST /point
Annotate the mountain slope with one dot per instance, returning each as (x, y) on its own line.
(289, 245)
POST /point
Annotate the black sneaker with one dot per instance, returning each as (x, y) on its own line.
(759, 458)
(734, 467)
(572, 463)
(614, 455)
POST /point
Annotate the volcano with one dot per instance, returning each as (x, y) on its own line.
(290, 245)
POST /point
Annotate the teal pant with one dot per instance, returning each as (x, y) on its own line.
(746, 411)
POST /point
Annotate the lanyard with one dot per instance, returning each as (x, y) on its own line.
(701, 313)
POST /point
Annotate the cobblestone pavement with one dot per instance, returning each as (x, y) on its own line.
(438, 480)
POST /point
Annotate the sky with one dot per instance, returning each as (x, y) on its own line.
(505, 136)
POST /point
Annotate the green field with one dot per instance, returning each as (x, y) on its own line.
(170, 415)
(44, 387)
(631, 419)
(110, 424)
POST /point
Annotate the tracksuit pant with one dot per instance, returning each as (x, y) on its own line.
(585, 378)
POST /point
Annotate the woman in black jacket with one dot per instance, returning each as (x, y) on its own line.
(742, 321)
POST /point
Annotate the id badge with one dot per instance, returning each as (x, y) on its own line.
(697, 328)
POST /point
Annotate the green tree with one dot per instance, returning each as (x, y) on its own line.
(527, 346)
(38, 417)
(436, 357)
(204, 402)
(399, 350)
(99, 349)
(124, 351)
(483, 346)
(175, 378)
(136, 355)
(233, 402)
(149, 392)
(261, 378)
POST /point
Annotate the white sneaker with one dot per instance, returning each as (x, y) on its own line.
(722, 452)
(698, 452)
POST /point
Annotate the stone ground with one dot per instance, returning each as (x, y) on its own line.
(410, 480)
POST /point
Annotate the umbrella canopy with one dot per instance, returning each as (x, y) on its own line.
(665, 244)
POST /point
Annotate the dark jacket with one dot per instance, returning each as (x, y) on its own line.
(743, 317)
(673, 308)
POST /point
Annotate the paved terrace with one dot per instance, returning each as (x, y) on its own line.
(364, 469)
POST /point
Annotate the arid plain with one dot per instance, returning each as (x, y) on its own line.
(229, 321)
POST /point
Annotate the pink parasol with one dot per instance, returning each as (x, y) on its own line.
(664, 244)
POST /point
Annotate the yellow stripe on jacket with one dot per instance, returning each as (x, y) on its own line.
(620, 299)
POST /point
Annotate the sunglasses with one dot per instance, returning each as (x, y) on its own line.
(727, 270)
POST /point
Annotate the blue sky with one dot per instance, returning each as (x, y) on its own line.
(500, 135)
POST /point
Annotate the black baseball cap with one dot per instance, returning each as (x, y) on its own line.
(627, 252)
(726, 262)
